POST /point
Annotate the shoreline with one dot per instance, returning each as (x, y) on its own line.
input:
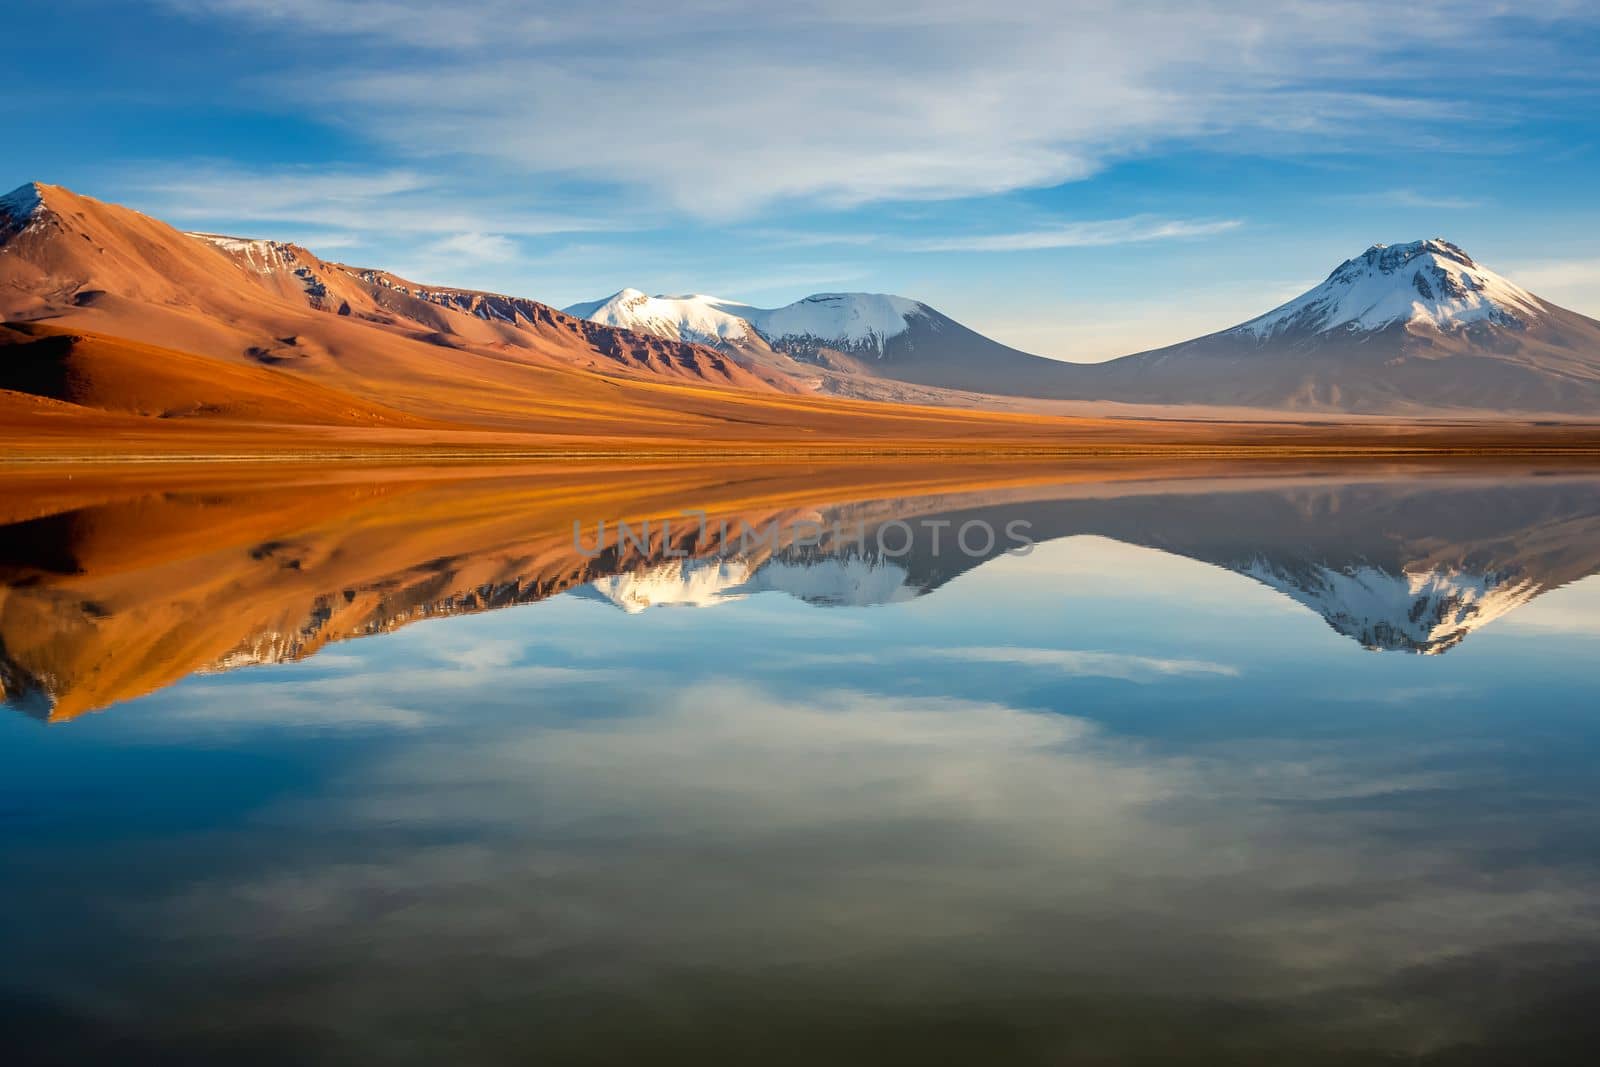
(1584, 451)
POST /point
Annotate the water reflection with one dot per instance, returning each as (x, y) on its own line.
(110, 598)
(1118, 800)
(1395, 566)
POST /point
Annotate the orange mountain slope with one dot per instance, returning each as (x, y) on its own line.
(117, 375)
(112, 270)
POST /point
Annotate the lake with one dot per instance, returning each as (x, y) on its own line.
(801, 763)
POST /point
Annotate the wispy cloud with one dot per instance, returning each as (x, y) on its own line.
(476, 246)
(1417, 199)
(1572, 283)
(345, 200)
(1543, 274)
(720, 108)
(1091, 664)
(752, 834)
(1098, 234)
(777, 237)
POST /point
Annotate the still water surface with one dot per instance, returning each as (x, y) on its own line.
(1255, 770)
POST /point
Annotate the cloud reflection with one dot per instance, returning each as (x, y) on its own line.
(801, 864)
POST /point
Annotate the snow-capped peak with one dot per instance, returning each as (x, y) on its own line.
(850, 321)
(698, 318)
(1423, 283)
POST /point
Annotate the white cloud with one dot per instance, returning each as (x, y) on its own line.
(345, 200)
(1090, 663)
(719, 108)
(1572, 283)
(207, 709)
(475, 654)
(1572, 609)
(1417, 199)
(928, 852)
(1096, 234)
(405, 697)
(482, 247)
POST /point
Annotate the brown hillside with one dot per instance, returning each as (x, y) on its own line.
(125, 376)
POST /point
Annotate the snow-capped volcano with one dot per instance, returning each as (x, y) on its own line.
(1406, 328)
(1423, 283)
(849, 322)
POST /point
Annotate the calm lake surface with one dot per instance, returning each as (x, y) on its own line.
(1266, 767)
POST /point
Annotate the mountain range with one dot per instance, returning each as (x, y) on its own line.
(1398, 329)
(119, 333)
(119, 330)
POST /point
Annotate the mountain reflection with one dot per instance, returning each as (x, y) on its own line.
(110, 591)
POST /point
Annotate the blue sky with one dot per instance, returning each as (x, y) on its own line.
(1076, 179)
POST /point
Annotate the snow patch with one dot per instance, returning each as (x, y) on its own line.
(22, 201)
(698, 318)
(264, 256)
(851, 320)
(678, 583)
(704, 583)
(1426, 611)
(19, 207)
